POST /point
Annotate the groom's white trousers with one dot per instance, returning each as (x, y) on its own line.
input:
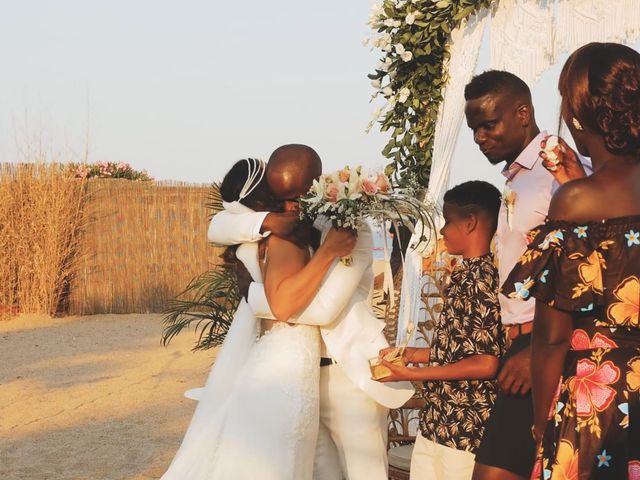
(352, 439)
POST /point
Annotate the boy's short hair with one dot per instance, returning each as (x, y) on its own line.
(477, 196)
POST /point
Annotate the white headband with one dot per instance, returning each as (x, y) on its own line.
(256, 169)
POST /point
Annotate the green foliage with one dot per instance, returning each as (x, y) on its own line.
(209, 301)
(214, 200)
(414, 37)
(207, 305)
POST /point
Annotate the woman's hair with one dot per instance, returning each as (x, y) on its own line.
(259, 198)
(600, 87)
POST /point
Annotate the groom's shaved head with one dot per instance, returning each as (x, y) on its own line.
(291, 170)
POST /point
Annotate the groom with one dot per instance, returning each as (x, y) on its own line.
(352, 441)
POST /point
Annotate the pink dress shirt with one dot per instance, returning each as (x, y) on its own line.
(533, 186)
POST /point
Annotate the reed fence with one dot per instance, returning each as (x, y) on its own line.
(83, 247)
(142, 244)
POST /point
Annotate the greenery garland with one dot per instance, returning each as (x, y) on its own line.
(414, 37)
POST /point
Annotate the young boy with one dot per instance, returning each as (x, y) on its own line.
(459, 368)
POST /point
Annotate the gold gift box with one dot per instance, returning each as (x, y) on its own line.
(378, 370)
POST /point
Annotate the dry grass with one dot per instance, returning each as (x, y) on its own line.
(143, 243)
(40, 223)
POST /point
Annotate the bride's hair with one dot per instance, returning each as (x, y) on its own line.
(600, 87)
(231, 188)
(259, 198)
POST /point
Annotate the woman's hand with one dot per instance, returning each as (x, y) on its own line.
(339, 242)
(566, 166)
(538, 432)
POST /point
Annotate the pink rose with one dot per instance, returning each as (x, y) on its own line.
(344, 175)
(383, 184)
(369, 187)
(331, 192)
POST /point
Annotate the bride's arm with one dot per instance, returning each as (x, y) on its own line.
(337, 288)
(289, 284)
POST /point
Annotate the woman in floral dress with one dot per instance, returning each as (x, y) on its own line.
(583, 268)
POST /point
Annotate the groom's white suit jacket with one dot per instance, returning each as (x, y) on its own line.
(351, 332)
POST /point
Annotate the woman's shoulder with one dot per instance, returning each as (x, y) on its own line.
(575, 201)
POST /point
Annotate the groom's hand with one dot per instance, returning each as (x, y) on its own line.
(280, 224)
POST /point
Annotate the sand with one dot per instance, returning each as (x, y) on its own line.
(93, 397)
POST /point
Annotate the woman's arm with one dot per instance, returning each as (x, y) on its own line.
(552, 331)
(289, 284)
(475, 367)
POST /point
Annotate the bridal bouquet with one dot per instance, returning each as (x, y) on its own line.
(348, 196)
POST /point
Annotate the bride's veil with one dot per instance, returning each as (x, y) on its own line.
(197, 451)
(198, 446)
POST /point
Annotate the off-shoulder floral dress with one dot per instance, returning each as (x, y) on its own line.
(593, 271)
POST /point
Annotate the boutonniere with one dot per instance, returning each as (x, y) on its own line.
(509, 199)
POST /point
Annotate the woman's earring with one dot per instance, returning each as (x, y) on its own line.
(578, 126)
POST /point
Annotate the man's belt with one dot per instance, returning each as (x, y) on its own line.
(326, 361)
(517, 329)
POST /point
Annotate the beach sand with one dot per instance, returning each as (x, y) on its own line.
(94, 397)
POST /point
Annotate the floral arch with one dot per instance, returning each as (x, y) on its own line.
(429, 53)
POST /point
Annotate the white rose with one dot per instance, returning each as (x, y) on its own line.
(386, 65)
(389, 22)
(403, 95)
(550, 149)
(399, 48)
(397, 23)
(377, 11)
(406, 56)
(387, 92)
(376, 83)
(410, 18)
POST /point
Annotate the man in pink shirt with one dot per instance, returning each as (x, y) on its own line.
(500, 113)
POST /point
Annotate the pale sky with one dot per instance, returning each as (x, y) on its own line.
(184, 89)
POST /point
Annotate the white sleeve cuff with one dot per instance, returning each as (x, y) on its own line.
(256, 231)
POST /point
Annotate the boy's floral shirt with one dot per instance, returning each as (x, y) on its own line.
(469, 324)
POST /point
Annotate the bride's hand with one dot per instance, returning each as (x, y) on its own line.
(339, 242)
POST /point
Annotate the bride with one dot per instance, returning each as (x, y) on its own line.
(257, 416)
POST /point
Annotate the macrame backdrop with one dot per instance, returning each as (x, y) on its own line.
(527, 37)
(464, 51)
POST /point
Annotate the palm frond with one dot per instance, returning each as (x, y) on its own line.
(207, 305)
(214, 200)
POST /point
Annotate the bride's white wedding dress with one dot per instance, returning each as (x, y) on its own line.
(257, 416)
